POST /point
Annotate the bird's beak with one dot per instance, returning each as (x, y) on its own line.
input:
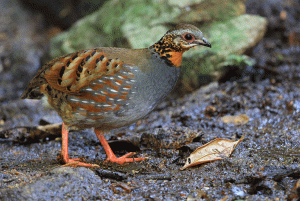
(203, 42)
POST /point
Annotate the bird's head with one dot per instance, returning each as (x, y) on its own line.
(178, 40)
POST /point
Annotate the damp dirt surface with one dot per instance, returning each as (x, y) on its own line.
(264, 166)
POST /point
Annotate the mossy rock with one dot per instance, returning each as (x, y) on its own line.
(231, 37)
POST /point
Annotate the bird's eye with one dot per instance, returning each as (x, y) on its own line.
(188, 37)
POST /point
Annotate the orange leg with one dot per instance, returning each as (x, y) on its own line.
(111, 157)
(64, 152)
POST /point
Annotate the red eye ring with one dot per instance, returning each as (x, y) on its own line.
(188, 37)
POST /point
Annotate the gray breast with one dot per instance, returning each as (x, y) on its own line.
(151, 87)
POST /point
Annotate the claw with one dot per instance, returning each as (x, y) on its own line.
(111, 157)
(124, 159)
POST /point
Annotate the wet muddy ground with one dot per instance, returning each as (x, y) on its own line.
(264, 166)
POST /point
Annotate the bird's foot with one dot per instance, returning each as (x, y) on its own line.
(111, 157)
(123, 159)
(76, 162)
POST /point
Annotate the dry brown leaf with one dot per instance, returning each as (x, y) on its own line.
(236, 119)
(214, 150)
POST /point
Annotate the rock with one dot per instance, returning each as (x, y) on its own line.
(58, 184)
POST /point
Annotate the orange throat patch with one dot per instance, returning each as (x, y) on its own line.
(175, 58)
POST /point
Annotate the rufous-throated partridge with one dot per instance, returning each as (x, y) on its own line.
(106, 88)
